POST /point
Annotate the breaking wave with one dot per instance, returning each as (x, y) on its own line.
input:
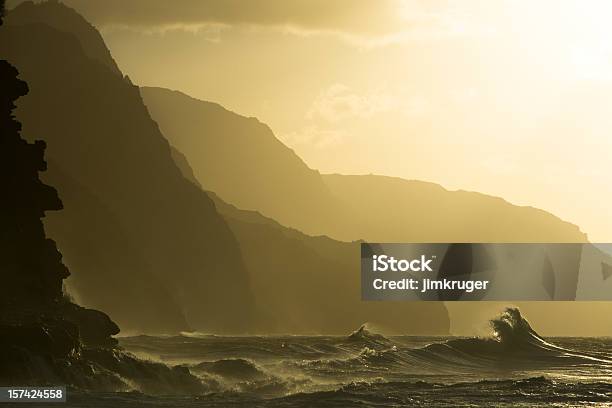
(363, 334)
(513, 343)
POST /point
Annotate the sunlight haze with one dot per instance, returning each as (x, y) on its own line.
(509, 98)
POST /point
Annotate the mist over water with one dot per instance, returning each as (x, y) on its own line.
(514, 366)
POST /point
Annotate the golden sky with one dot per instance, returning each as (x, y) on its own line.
(509, 98)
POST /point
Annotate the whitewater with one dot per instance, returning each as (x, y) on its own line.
(514, 366)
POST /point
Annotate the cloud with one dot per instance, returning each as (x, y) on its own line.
(323, 128)
(351, 16)
(312, 135)
(339, 102)
(338, 108)
(364, 24)
(367, 23)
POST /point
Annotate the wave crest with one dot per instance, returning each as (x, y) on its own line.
(511, 328)
(513, 343)
(364, 334)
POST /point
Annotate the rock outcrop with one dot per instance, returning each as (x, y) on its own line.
(46, 339)
(154, 247)
(40, 327)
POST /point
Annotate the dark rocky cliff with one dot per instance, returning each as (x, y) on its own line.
(101, 137)
(241, 160)
(36, 320)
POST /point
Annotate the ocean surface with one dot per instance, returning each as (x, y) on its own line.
(514, 367)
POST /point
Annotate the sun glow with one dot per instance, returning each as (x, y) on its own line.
(572, 35)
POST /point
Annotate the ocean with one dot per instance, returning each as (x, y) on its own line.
(513, 367)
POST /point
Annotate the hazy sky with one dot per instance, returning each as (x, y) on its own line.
(510, 98)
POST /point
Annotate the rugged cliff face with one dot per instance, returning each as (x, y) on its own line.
(310, 284)
(305, 284)
(45, 338)
(32, 269)
(37, 322)
(156, 229)
(241, 160)
(110, 271)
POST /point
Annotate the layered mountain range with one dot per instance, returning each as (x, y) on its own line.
(369, 207)
(241, 160)
(180, 214)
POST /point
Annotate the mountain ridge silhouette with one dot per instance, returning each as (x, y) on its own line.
(346, 207)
